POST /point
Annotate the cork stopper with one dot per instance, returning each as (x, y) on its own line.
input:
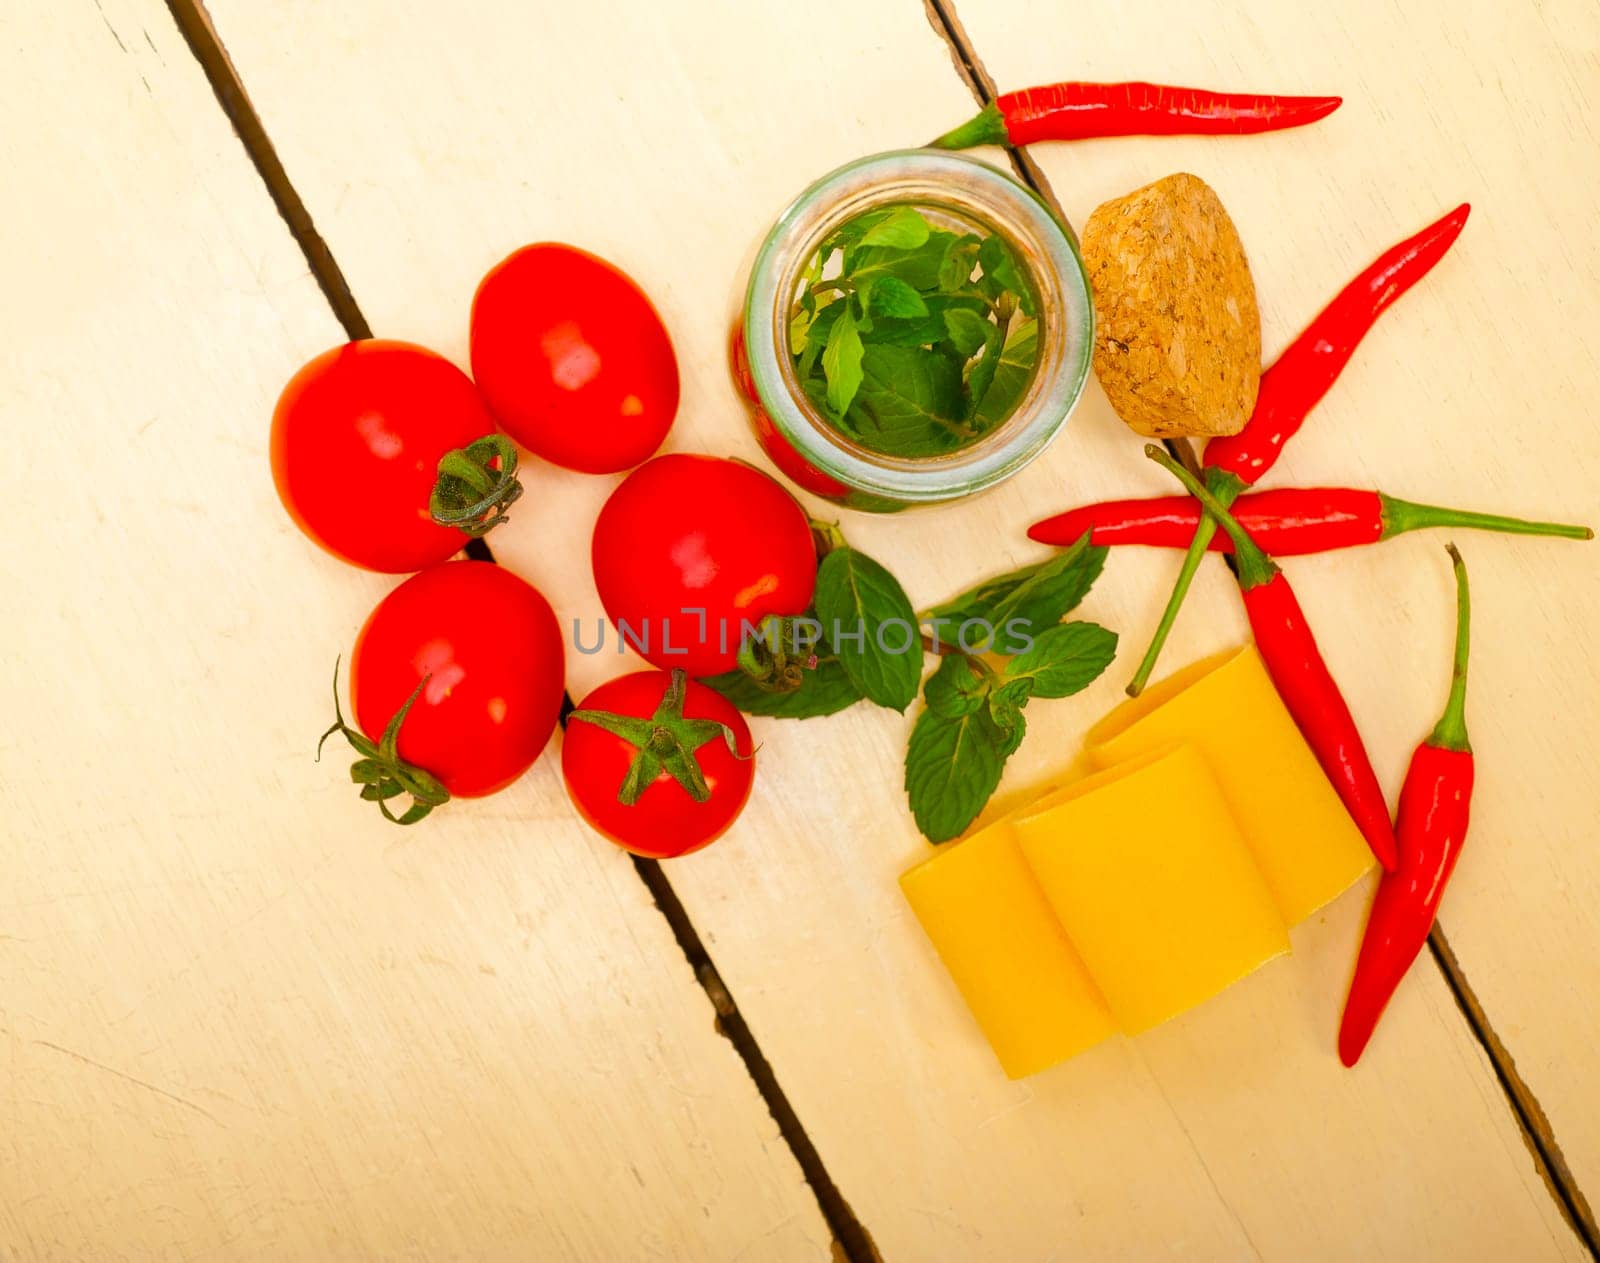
(1178, 336)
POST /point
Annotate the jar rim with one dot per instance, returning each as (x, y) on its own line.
(970, 188)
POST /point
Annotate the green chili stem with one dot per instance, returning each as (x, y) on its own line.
(1400, 516)
(1255, 567)
(1226, 486)
(1450, 733)
(987, 128)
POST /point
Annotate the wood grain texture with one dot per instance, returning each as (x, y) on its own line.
(240, 1016)
(428, 144)
(1475, 391)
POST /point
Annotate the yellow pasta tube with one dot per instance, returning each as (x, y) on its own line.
(989, 921)
(1307, 847)
(1149, 876)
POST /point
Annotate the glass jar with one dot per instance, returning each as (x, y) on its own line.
(952, 191)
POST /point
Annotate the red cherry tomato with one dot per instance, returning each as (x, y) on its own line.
(739, 364)
(665, 820)
(790, 463)
(490, 648)
(356, 441)
(573, 360)
(690, 549)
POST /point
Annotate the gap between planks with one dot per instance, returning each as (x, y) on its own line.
(1537, 1133)
(852, 1243)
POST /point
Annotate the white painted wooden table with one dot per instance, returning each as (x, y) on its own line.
(241, 1018)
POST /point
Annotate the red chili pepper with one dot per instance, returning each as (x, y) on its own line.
(1081, 111)
(1287, 522)
(1435, 802)
(1295, 384)
(1300, 675)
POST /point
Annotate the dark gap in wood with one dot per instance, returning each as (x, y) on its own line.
(948, 26)
(195, 25)
(1535, 1125)
(852, 1242)
(1537, 1132)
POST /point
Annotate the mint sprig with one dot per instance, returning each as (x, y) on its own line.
(912, 339)
(973, 721)
(973, 717)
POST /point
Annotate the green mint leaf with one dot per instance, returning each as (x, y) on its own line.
(1013, 371)
(966, 330)
(872, 625)
(1002, 275)
(918, 268)
(799, 327)
(817, 334)
(841, 361)
(1053, 588)
(893, 298)
(959, 263)
(816, 390)
(1013, 692)
(848, 234)
(909, 401)
(980, 374)
(902, 228)
(954, 690)
(1064, 659)
(952, 768)
(824, 690)
(927, 329)
(1006, 712)
(1024, 602)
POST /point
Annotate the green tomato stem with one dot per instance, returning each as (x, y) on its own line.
(666, 742)
(379, 770)
(476, 485)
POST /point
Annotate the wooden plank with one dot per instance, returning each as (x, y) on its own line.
(667, 138)
(1475, 391)
(241, 1017)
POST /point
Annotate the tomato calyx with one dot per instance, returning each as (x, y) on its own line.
(476, 485)
(826, 536)
(666, 742)
(777, 658)
(380, 771)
